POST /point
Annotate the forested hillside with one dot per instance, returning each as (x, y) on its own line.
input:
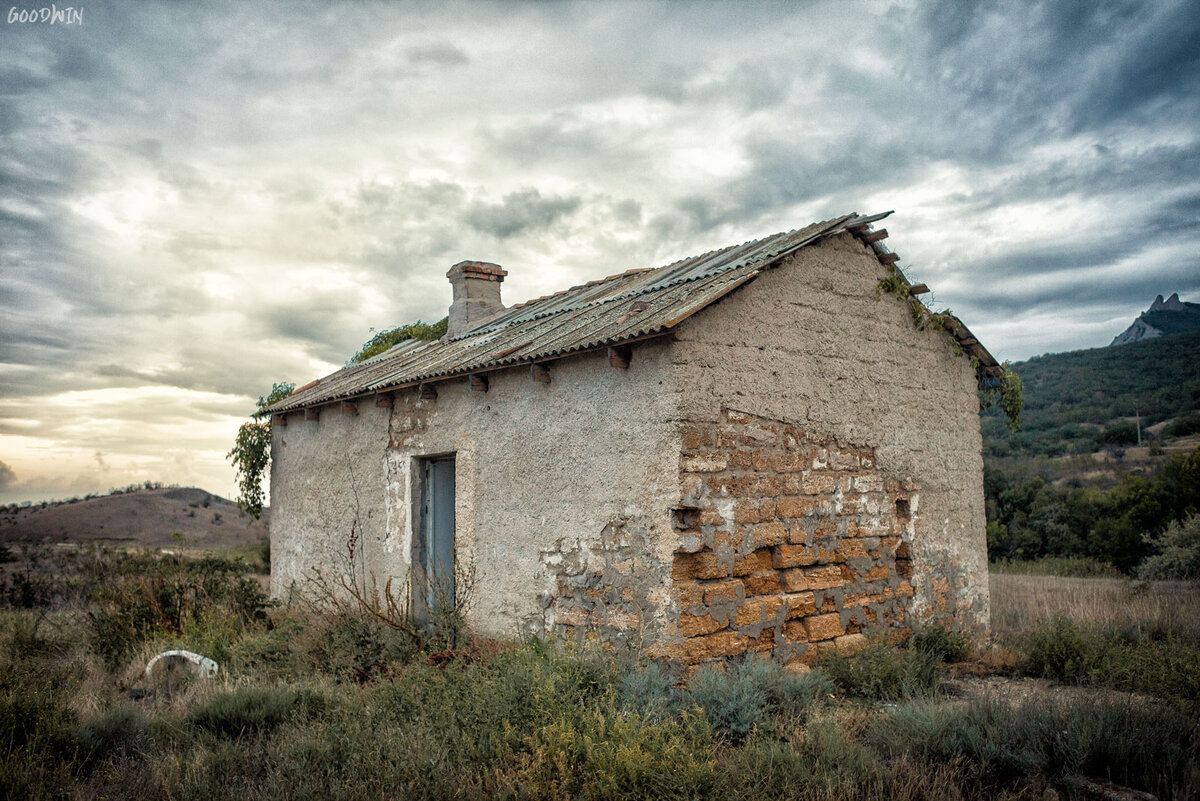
(1071, 482)
(1083, 401)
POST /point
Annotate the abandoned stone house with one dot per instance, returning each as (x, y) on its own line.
(751, 450)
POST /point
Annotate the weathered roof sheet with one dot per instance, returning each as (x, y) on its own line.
(621, 308)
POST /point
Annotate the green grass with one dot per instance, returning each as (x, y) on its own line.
(1160, 663)
(1066, 566)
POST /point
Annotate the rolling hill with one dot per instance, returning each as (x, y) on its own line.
(167, 517)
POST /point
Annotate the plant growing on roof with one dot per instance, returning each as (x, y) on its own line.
(1010, 393)
(251, 454)
(385, 340)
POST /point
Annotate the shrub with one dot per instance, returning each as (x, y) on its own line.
(1121, 658)
(118, 732)
(25, 590)
(34, 719)
(999, 745)
(1060, 650)
(649, 691)
(1183, 426)
(732, 701)
(838, 762)
(882, 673)
(768, 768)
(207, 600)
(790, 696)
(1178, 552)
(605, 754)
(942, 644)
(754, 693)
(264, 554)
(253, 710)
(358, 648)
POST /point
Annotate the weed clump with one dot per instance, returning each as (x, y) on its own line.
(752, 694)
(649, 690)
(119, 732)
(879, 672)
(205, 603)
(1177, 552)
(999, 746)
(941, 643)
(26, 590)
(254, 710)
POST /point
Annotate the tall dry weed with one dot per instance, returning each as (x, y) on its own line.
(1021, 604)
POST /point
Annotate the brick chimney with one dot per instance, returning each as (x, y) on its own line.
(476, 294)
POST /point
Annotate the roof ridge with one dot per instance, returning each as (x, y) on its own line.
(822, 226)
(624, 295)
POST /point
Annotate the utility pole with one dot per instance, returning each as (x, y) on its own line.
(1137, 415)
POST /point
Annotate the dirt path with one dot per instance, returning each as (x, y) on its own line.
(967, 687)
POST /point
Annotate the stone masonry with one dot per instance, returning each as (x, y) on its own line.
(789, 543)
(604, 587)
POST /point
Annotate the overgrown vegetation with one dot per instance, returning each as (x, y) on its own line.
(1177, 552)
(386, 340)
(251, 454)
(337, 704)
(1004, 392)
(1102, 632)
(1007, 393)
(882, 673)
(1155, 662)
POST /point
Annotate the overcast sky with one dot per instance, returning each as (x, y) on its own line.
(197, 199)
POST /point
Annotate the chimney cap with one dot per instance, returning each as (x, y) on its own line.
(477, 269)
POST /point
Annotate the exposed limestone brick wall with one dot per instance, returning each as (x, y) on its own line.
(790, 542)
(813, 342)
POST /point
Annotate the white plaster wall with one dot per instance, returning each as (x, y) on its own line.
(328, 479)
(809, 343)
(540, 466)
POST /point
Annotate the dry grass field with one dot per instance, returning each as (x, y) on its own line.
(1023, 603)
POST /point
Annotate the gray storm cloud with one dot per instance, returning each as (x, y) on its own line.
(206, 198)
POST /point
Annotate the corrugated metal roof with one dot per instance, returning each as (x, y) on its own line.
(632, 305)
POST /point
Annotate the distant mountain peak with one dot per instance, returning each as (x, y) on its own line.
(1170, 316)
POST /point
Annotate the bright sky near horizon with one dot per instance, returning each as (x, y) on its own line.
(199, 199)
